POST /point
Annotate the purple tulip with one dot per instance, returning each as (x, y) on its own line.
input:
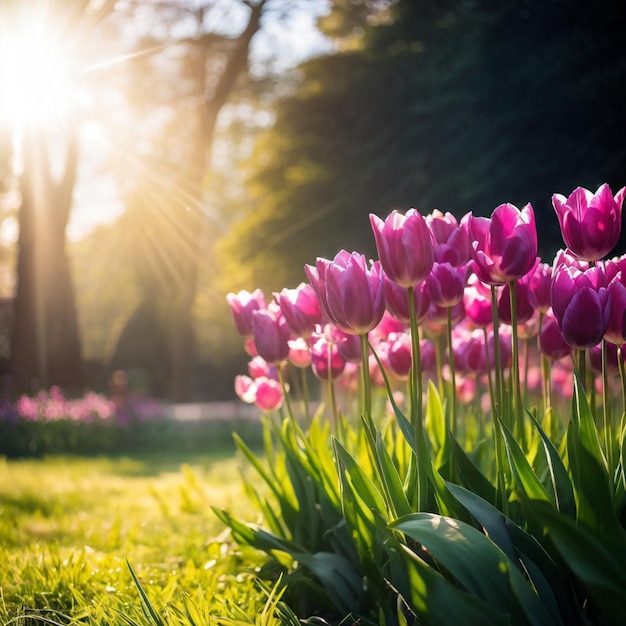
(397, 301)
(399, 355)
(301, 309)
(503, 248)
(451, 238)
(540, 284)
(525, 309)
(350, 293)
(477, 300)
(590, 222)
(581, 305)
(405, 247)
(616, 331)
(242, 306)
(551, 342)
(446, 284)
(271, 335)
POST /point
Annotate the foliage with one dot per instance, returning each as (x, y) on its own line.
(456, 106)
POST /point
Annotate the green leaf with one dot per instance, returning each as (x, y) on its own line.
(435, 418)
(477, 564)
(561, 483)
(438, 602)
(583, 418)
(598, 562)
(148, 608)
(527, 481)
(594, 497)
(391, 480)
(470, 475)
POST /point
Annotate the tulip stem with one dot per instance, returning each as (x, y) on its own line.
(331, 391)
(498, 406)
(305, 396)
(606, 408)
(452, 420)
(365, 374)
(517, 383)
(283, 386)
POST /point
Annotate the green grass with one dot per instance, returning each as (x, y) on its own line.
(68, 526)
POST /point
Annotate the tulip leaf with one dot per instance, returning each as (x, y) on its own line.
(594, 497)
(527, 481)
(583, 418)
(391, 481)
(597, 561)
(435, 417)
(561, 483)
(477, 564)
(437, 602)
(469, 473)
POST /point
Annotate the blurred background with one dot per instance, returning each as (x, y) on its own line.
(157, 154)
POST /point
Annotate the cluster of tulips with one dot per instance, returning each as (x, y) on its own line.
(466, 302)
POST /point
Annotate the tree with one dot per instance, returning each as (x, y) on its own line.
(45, 343)
(451, 105)
(198, 74)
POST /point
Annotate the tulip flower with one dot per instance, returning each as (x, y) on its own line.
(477, 302)
(405, 247)
(540, 283)
(349, 346)
(397, 301)
(242, 306)
(299, 353)
(350, 293)
(590, 222)
(581, 305)
(503, 248)
(551, 342)
(399, 355)
(446, 284)
(265, 393)
(616, 330)
(451, 238)
(321, 360)
(301, 309)
(271, 335)
(258, 367)
(524, 308)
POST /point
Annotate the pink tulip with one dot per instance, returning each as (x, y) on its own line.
(616, 330)
(439, 315)
(551, 342)
(524, 307)
(451, 238)
(397, 301)
(258, 367)
(301, 309)
(350, 293)
(581, 305)
(271, 335)
(242, 306)
(269, 395)
(299, 353)
(477, 301)
(540, 284)
(320, 359)
(349, 346)
(446, 284)
(405, 247)
(590, 222)
(399, 355)
(469, 352)
(503, 248)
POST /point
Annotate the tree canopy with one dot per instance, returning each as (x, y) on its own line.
(452, 105)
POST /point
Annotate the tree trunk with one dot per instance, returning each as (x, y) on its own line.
(45, 342)
(179, 316)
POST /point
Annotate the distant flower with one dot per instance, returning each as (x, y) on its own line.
(271, 335)
(397, 301)
(242, 306)
(590, 222)
(451, 238)
(301, 309)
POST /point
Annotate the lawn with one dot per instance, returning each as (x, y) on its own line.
(68, 526)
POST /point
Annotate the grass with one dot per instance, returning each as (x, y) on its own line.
(69, 525)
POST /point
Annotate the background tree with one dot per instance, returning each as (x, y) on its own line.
(449, 105)
(45, 343)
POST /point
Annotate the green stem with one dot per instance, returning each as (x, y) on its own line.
(283, 385)
(515, 374)
(451, 425)
(365, 376)
(331, 392)
(305, 396)
(606, 408)
(497, 407)
(622, 377)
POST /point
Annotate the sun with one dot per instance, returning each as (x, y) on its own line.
(36, 78)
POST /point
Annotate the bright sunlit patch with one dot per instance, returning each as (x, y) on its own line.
(35, 77)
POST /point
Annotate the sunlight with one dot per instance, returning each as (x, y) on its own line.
(35, 78)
